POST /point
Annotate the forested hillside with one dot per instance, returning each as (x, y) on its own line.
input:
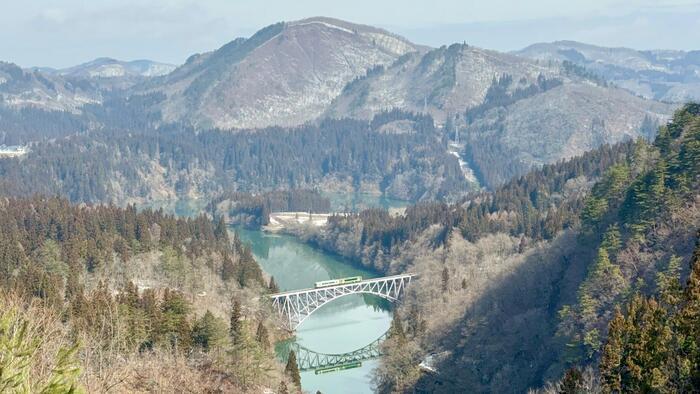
(507, 137)
(535, 206)
(130, 162)
(100, 298)
(519, 285)
(554, 231)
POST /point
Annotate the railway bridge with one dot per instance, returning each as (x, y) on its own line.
(296, 306)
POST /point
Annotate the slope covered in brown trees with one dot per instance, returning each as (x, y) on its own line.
(100, 298)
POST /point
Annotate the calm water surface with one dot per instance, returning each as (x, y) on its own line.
(344, 325)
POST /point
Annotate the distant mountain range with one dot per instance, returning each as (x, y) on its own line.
(70, 88)
(26, 88)
(105, 67)
(666, 75)
(513, 110)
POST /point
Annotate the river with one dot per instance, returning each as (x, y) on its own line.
(344, 325)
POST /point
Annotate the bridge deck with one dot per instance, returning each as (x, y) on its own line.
(311, 289)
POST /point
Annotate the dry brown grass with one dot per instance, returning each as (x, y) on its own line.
(107, 362)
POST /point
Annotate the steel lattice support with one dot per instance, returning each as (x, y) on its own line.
(296, 306)
(308, 359)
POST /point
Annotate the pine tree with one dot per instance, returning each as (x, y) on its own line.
(572, 382)
(272, 287)
(445, 279)
(656, 348)
(396, 329)
(209, 332)
(235, 325)
(228, 268)
(668, 283)
(611, 239)
(522, 246)
(593, 211)
(292, 369)
(605, 280)
(220, 231)
(262, 337)
(688, 318)
(611, 359)
(413, 320)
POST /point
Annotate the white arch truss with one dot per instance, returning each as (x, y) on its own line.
(295, 306)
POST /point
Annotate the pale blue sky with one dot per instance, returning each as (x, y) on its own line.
(60, 33)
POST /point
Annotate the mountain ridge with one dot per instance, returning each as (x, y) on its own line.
(661, 74)
(305, 65)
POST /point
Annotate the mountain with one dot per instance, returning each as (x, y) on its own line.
(518, 285)
(512, 112)
(284, 75)
(110, 74)
(70, 89)
(666, 75)
(105, 67)
(446, 80)
(557, 124)
(24, 88)
(504, 113)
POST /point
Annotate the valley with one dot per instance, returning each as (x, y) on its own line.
(544, 203)
(343, 326)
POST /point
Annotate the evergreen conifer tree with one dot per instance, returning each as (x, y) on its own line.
(292, 369)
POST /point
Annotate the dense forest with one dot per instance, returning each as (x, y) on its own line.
(521, 284)
(111, 164)
(499, 94)
(100, 298)
(23, 126)
(535, 206)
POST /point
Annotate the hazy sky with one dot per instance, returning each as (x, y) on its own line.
(60, 33)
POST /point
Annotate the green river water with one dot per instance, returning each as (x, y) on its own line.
(344, 325)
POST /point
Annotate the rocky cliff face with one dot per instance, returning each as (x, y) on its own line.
(665, 75)
(284, 75)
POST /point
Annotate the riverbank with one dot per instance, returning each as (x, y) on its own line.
(344, 325)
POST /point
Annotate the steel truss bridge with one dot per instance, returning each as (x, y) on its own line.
(308, 359)
(296, 306)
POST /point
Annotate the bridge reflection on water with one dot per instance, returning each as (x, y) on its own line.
(308, 359)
